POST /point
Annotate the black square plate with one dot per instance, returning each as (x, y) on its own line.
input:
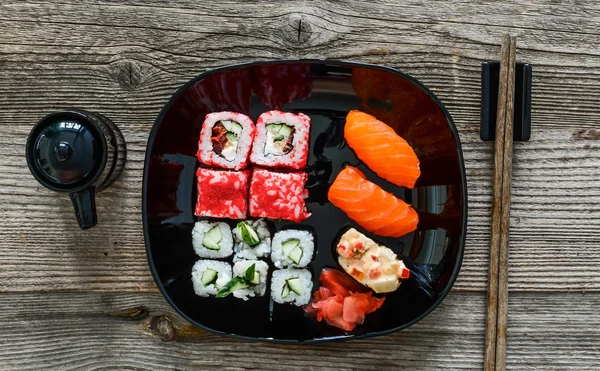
(326, 91)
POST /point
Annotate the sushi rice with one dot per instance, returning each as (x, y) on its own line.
(277, 195)
(283, 257)
(239, 270)
(281, 292)
(281, 140)
(223, 271)
(243, 251)
(237, 132)
(199, 240)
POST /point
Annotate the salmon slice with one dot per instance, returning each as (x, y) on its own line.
(370, 206)
(381, 149)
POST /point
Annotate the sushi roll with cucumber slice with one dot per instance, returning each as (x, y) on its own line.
(292, 248)
(209, 276)
(252, 240)
(249, 280)
(225, 140)
(281, 140)
(212, 240)
(293, 286)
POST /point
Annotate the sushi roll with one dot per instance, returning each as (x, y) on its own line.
(293, 286)
(208, 276)
(222, 194)
(281, 140)
(292, 248)
(225, 140)
(212, 240)
(252, 240)
(258, 285)
(276, 195)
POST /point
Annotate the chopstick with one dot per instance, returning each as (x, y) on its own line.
(497, 304)
(505, 223)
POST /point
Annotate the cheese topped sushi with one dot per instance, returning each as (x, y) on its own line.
(373, 265)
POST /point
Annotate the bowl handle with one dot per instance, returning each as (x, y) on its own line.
(84, 203)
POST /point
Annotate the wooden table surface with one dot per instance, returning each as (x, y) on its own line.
(73, 299)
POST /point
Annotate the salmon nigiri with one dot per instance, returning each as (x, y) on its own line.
(370, 206)
(381, 149)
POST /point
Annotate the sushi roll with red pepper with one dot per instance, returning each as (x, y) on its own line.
(281, 140)
(222, 194)
(275, 195)
(371, 264)
(225, 140)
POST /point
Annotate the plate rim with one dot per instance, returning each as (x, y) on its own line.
(341, 63)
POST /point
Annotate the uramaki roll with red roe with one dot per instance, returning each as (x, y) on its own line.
(222, 194)
(225, 140)
(281, 140)
(276, 195)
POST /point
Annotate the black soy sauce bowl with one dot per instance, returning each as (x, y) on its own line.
(325, 91)
(79, 153)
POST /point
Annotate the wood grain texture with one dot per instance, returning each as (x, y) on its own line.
(105, 331)
(499, 219)
(63, 331)
(125, 59)
(505, 221)
(73, 299)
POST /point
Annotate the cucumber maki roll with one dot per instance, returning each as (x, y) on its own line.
(293, 286)
(249, 279)
(212, 240)
(209, 276)
(252, 240)
(292, 248)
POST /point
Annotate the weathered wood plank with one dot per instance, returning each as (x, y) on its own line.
(64, 331)
(126, 59)
(558, 331)
(73, 330)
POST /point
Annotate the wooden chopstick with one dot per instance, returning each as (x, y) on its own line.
(495, 336)
(492, 302)
(505, 223)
